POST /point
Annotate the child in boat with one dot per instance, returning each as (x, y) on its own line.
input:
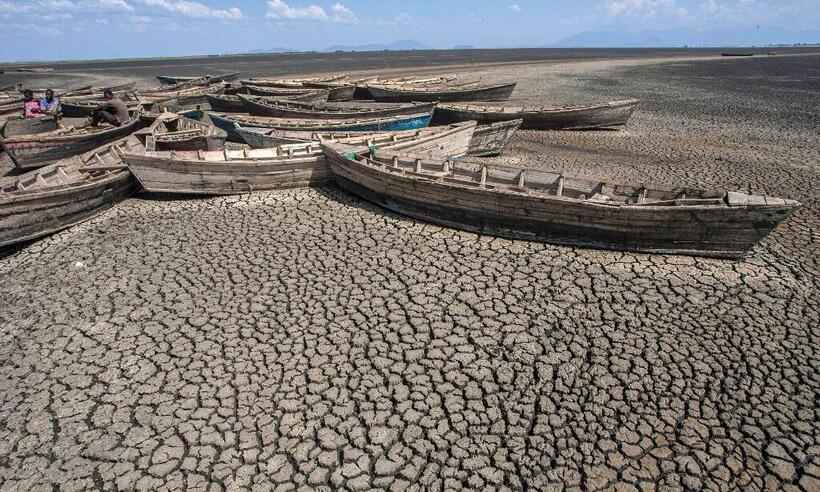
(50, 104)
(31, 107)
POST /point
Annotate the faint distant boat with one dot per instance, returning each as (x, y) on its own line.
(608, 115)
(173, 80)
(455, 92)
(737, 54)
(490, 140)
(529, 204)
(289, 166)
(68, 192)
(294, 109)
(32, 151)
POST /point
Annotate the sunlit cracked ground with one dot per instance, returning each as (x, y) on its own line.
(304, 339)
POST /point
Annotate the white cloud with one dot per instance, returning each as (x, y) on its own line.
(278, 9)
(617, 8)
(194, 9)
(515, 7)
(340, 13)
(109, 5)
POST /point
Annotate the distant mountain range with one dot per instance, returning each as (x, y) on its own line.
(402, 45)
(687, 37)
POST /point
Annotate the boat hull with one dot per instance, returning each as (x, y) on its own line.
(201, 177)
(36, 152)
(227, 104)
(612, 115)
(284, 109)
(28, 218)
(29, 126)
(492, 93)
(490, 140)
(721, 232)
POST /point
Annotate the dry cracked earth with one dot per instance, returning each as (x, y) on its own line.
(305, 339)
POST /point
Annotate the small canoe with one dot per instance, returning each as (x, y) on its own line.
(490, 140)
(289, 166)
(29, 126)
(608, 115)
(293, 109)
(229, 121)
(467, 92)
(538, 205)
(33, 151)
(70, 191)
(187, 92)
(174, 132)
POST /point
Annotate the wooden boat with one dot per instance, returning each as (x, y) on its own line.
(230, 121)
(84, 108)
(609, 115)
(32, 151)
(72, 190)
(737, 54)
(170, 131)
(313, 95)
(292, 109)
(290, 83)
(174, 80)
(537, 205)
(337, 91)
(299, 165)
(11, 108)
(490, 140)
(470, 92)
(28, 126)
(188, 92)
(225, 103)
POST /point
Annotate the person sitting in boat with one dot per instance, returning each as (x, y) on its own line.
(31, 106)
(113, 112)
(50, 104)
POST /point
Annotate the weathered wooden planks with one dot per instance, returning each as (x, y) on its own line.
(65, 193)
(608, 115)
(490, 140)
(469, 92)
(535, 205)
(258, 106)
(299, 165)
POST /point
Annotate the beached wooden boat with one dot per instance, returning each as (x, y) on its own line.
(490, 140)
(11, 108)
(737, 54)
(608, 115)
(173, 79)
(299, 165)
(83, 108)
(293, 109)
(33, 151)
(198, 91)
(337, 91)
(538, 205)
(170, 131)
(231, 121)
(28, 126)
(225, 103)
(313, 95)
(65, 193)
(292, 83)
(465, 92)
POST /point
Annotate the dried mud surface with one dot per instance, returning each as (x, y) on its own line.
(305, 339)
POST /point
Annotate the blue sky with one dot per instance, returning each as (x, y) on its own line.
(69, 29)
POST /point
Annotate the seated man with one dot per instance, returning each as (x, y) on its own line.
(31, 107)
(50, 104)
(113, 112)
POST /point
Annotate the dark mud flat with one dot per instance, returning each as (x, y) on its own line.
(305, 338)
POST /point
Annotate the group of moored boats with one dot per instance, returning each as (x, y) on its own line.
(411, 145)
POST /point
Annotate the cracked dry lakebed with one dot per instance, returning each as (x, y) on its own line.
(307, 340)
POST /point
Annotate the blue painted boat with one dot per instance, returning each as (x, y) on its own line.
(231, 121)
